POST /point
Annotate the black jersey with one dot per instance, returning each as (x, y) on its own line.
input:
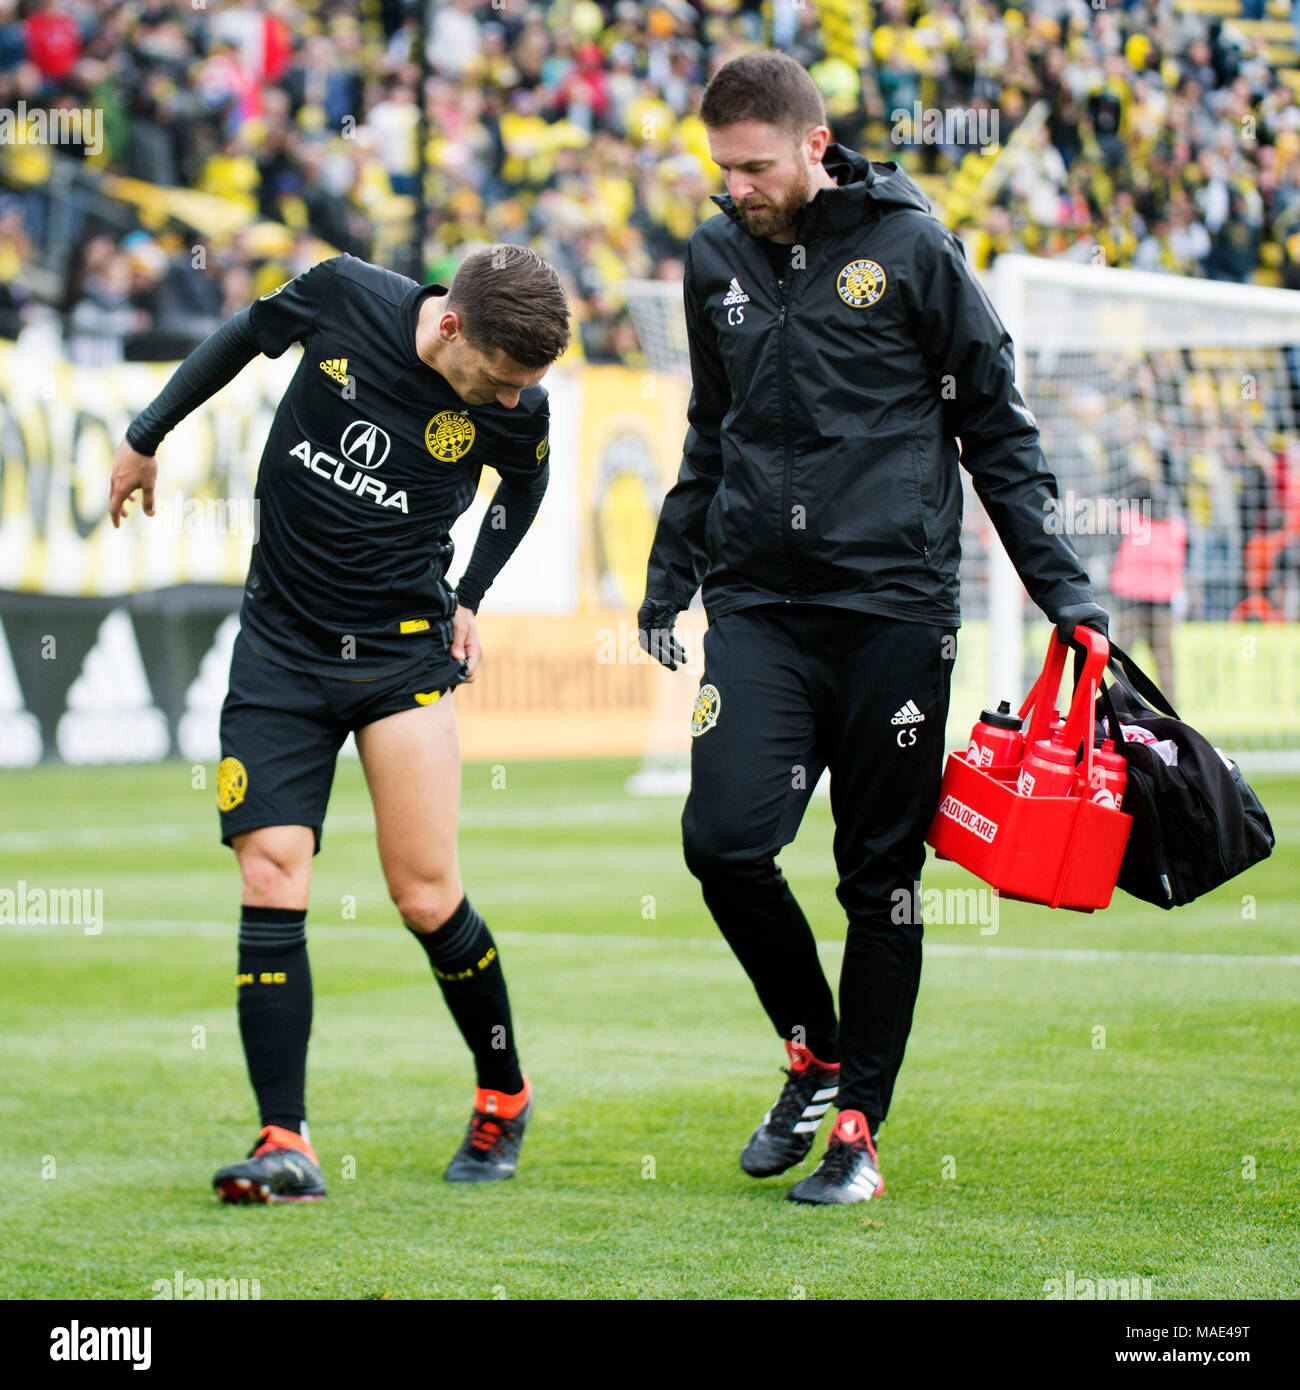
(370, 459)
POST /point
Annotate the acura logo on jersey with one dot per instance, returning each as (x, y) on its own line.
(365, 444)
(348, 478)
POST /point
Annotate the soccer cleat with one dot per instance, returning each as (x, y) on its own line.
(790, 1126)
(849, 1170)
(281, 1168)
(490, 1149)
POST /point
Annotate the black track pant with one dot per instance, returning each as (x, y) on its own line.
(790, 690)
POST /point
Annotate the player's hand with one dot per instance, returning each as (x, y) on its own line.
(654, 623)
(465, 644)
(1082, 615)
(131, 471)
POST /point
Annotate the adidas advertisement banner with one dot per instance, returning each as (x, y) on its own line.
(142, 678)
(102, 680)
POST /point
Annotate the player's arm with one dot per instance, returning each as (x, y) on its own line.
(511, 512)
(967, 346)
(268, 326)
(678, 556)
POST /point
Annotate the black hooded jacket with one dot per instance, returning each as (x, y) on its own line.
(820, 462)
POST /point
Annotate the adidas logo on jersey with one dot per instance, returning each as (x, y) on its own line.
(735, 295)
(909, 714)
(337, 367)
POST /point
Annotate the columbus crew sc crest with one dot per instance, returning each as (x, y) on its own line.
(861, 283)
(232, 783)
(705, 715)
(449, 435)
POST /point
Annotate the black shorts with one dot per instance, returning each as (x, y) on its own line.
(281, 731)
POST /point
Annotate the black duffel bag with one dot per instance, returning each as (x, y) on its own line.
(1197, 823)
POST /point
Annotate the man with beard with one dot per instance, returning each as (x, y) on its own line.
(839, 347)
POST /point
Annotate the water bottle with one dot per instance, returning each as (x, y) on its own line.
(997, 742)
(1048, 769)
(1109, 776)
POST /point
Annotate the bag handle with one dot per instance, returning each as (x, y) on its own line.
(1115, 733)
(1138, 681)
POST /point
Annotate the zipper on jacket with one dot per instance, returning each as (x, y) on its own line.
(787, 485)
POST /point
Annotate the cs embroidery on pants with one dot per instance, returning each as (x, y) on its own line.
(705, 714)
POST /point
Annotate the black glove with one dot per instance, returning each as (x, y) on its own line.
(1074, 615)
(1082, 615)
(654, 623)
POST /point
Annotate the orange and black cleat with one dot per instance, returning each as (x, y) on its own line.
(490, 1150)
(789, 1129)
(282, 1167)
(849, 1171)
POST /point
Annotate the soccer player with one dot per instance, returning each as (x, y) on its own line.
(839, 347)
(348, 624)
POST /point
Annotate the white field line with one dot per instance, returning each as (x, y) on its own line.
(136, 836)
(167, 926)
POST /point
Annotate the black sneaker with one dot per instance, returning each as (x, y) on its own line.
(790, 1126)
(281, 1168)
(490, 1149)
(849, 1170)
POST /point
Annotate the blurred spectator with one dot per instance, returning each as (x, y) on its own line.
(15, 248)
(103, 316)
(1147, 574)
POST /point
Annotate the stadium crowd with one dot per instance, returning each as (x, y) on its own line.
(1155, 136)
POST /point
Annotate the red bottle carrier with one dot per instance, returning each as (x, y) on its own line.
(1064, 851)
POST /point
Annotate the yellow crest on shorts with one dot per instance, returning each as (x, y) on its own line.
(449, 435)
(705, 714)
(543, 448)
(232, 783)
(861, 283)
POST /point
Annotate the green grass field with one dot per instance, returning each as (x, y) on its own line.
(1017, 1149)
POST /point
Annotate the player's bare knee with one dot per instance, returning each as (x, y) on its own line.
(271, 872)
(265, 881)
(426, 904)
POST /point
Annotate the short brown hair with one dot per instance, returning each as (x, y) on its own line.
(511, 300)
(765, 86)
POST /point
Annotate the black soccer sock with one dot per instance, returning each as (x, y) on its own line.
(766, 928)
(465, 962)
(275, 1004)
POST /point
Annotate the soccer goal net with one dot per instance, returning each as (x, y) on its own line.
(1168, 410)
